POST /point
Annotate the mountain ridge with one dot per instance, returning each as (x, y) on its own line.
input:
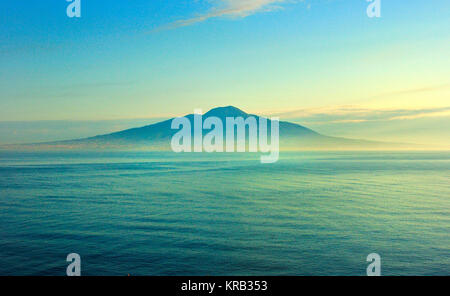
(157, 136)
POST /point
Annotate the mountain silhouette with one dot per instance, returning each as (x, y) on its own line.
(158, 136)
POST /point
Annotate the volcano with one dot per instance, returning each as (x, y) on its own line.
(157, 137)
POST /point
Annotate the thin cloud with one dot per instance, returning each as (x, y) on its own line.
(353, 114)
(230, 8)
(433, 113)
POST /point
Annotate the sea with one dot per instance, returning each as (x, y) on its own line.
(162, 213)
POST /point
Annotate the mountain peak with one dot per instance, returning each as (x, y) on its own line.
(228, 111)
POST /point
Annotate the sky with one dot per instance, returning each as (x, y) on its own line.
(322, 63)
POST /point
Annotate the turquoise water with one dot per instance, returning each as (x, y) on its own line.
(222, 214)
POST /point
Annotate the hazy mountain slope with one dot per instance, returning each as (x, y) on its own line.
(158, 136)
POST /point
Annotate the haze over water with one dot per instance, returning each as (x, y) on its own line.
(145, 213)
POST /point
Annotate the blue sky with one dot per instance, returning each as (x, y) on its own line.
(159, 58)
